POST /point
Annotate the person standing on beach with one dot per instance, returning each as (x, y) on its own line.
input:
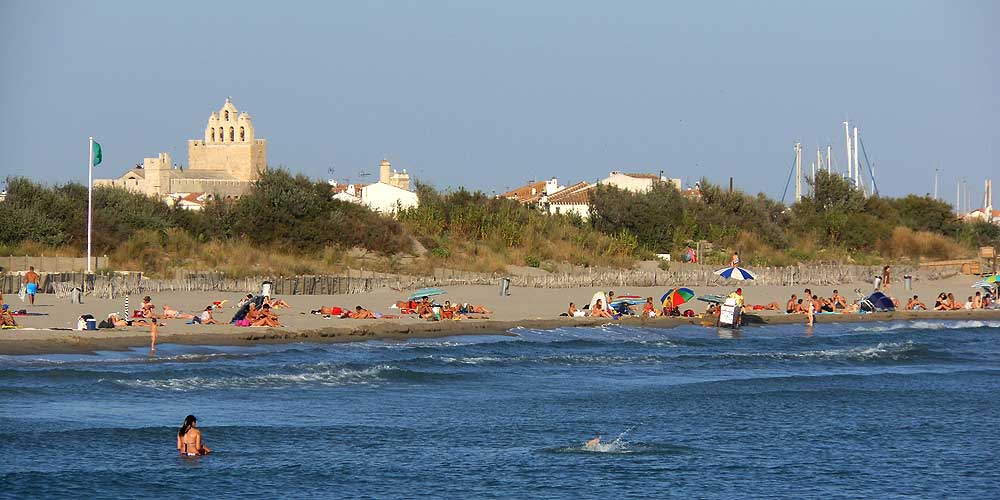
(152, 337)
(31, 282)
(734, 261)
(811, 312)
(885, 280)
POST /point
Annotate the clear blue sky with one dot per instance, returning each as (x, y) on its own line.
(491, 94)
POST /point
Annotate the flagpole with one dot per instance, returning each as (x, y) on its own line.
(90, 199)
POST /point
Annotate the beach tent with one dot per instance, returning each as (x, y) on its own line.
(599, 295)
(876, 302)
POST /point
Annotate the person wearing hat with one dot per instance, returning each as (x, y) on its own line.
(6, 318)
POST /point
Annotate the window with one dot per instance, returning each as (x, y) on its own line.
(227, 115)
(232, 134)
(243, 135)
(222, 135)
(213, 135)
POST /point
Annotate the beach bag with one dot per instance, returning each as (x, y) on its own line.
(243, 322)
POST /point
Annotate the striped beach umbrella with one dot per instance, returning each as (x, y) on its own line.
(677, 296)
(735, 273)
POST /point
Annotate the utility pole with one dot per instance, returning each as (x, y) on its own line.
(829, 162)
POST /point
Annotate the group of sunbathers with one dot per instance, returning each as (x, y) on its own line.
(426, 309)
(423, 309)
(813, 303)
(947, 302)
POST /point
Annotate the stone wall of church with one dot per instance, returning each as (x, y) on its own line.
(242, 161)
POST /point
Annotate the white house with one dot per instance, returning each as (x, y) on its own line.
(350, 193)
(638, 183)
(386, 198)
(572, 200)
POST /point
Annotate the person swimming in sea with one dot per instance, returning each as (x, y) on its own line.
(593, 444)
(189, 439)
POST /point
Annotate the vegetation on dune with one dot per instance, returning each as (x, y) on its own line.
(291, 225)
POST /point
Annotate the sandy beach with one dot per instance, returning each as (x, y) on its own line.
(535, 308)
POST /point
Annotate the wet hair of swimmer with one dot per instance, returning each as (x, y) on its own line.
(188, 423)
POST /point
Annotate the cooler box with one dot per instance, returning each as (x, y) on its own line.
(92, 324)
(727, 316)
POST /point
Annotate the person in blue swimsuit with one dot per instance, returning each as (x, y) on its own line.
(31, 283)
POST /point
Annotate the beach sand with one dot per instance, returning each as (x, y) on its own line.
(536, 308)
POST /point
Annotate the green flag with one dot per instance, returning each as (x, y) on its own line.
(97, 153)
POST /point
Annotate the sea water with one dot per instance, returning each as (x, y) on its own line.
(891, 410)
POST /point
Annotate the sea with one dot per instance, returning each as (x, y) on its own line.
(878, 410)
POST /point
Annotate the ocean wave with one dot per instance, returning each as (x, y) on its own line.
(927, 325)
(892, 351)
(329, 377)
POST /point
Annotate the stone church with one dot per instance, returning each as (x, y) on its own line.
(225, 163)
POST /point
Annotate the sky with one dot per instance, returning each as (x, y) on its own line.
(489, 95)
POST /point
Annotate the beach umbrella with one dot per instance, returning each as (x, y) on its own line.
(628, 299)
(714, 299)
(677, 295)
(735, 273)
(426, 292)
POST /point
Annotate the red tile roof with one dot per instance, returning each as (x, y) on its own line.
(524, 194)
(577, 194)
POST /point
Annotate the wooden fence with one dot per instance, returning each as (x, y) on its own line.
(120, 284)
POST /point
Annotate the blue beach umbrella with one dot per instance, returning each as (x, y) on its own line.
(735, 273)
(426, 292)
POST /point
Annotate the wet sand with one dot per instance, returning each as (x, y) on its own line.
(533, 308)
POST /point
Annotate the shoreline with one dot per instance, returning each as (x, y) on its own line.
(47, 341)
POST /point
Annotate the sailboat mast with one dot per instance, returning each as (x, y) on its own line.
(847, 142)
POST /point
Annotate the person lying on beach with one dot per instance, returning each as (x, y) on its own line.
(474, 309)
(206, 317)
(915, 304)
(770, 306)
(169, 313)
(598, 311)
(361, 313)
(277, 303)
(113, 321)
(244, 301)
(330, 311)
(265, 317)
(189, 439)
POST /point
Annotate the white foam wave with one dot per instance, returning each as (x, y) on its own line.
(882, 350)
(327, 377)
(927, 325)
